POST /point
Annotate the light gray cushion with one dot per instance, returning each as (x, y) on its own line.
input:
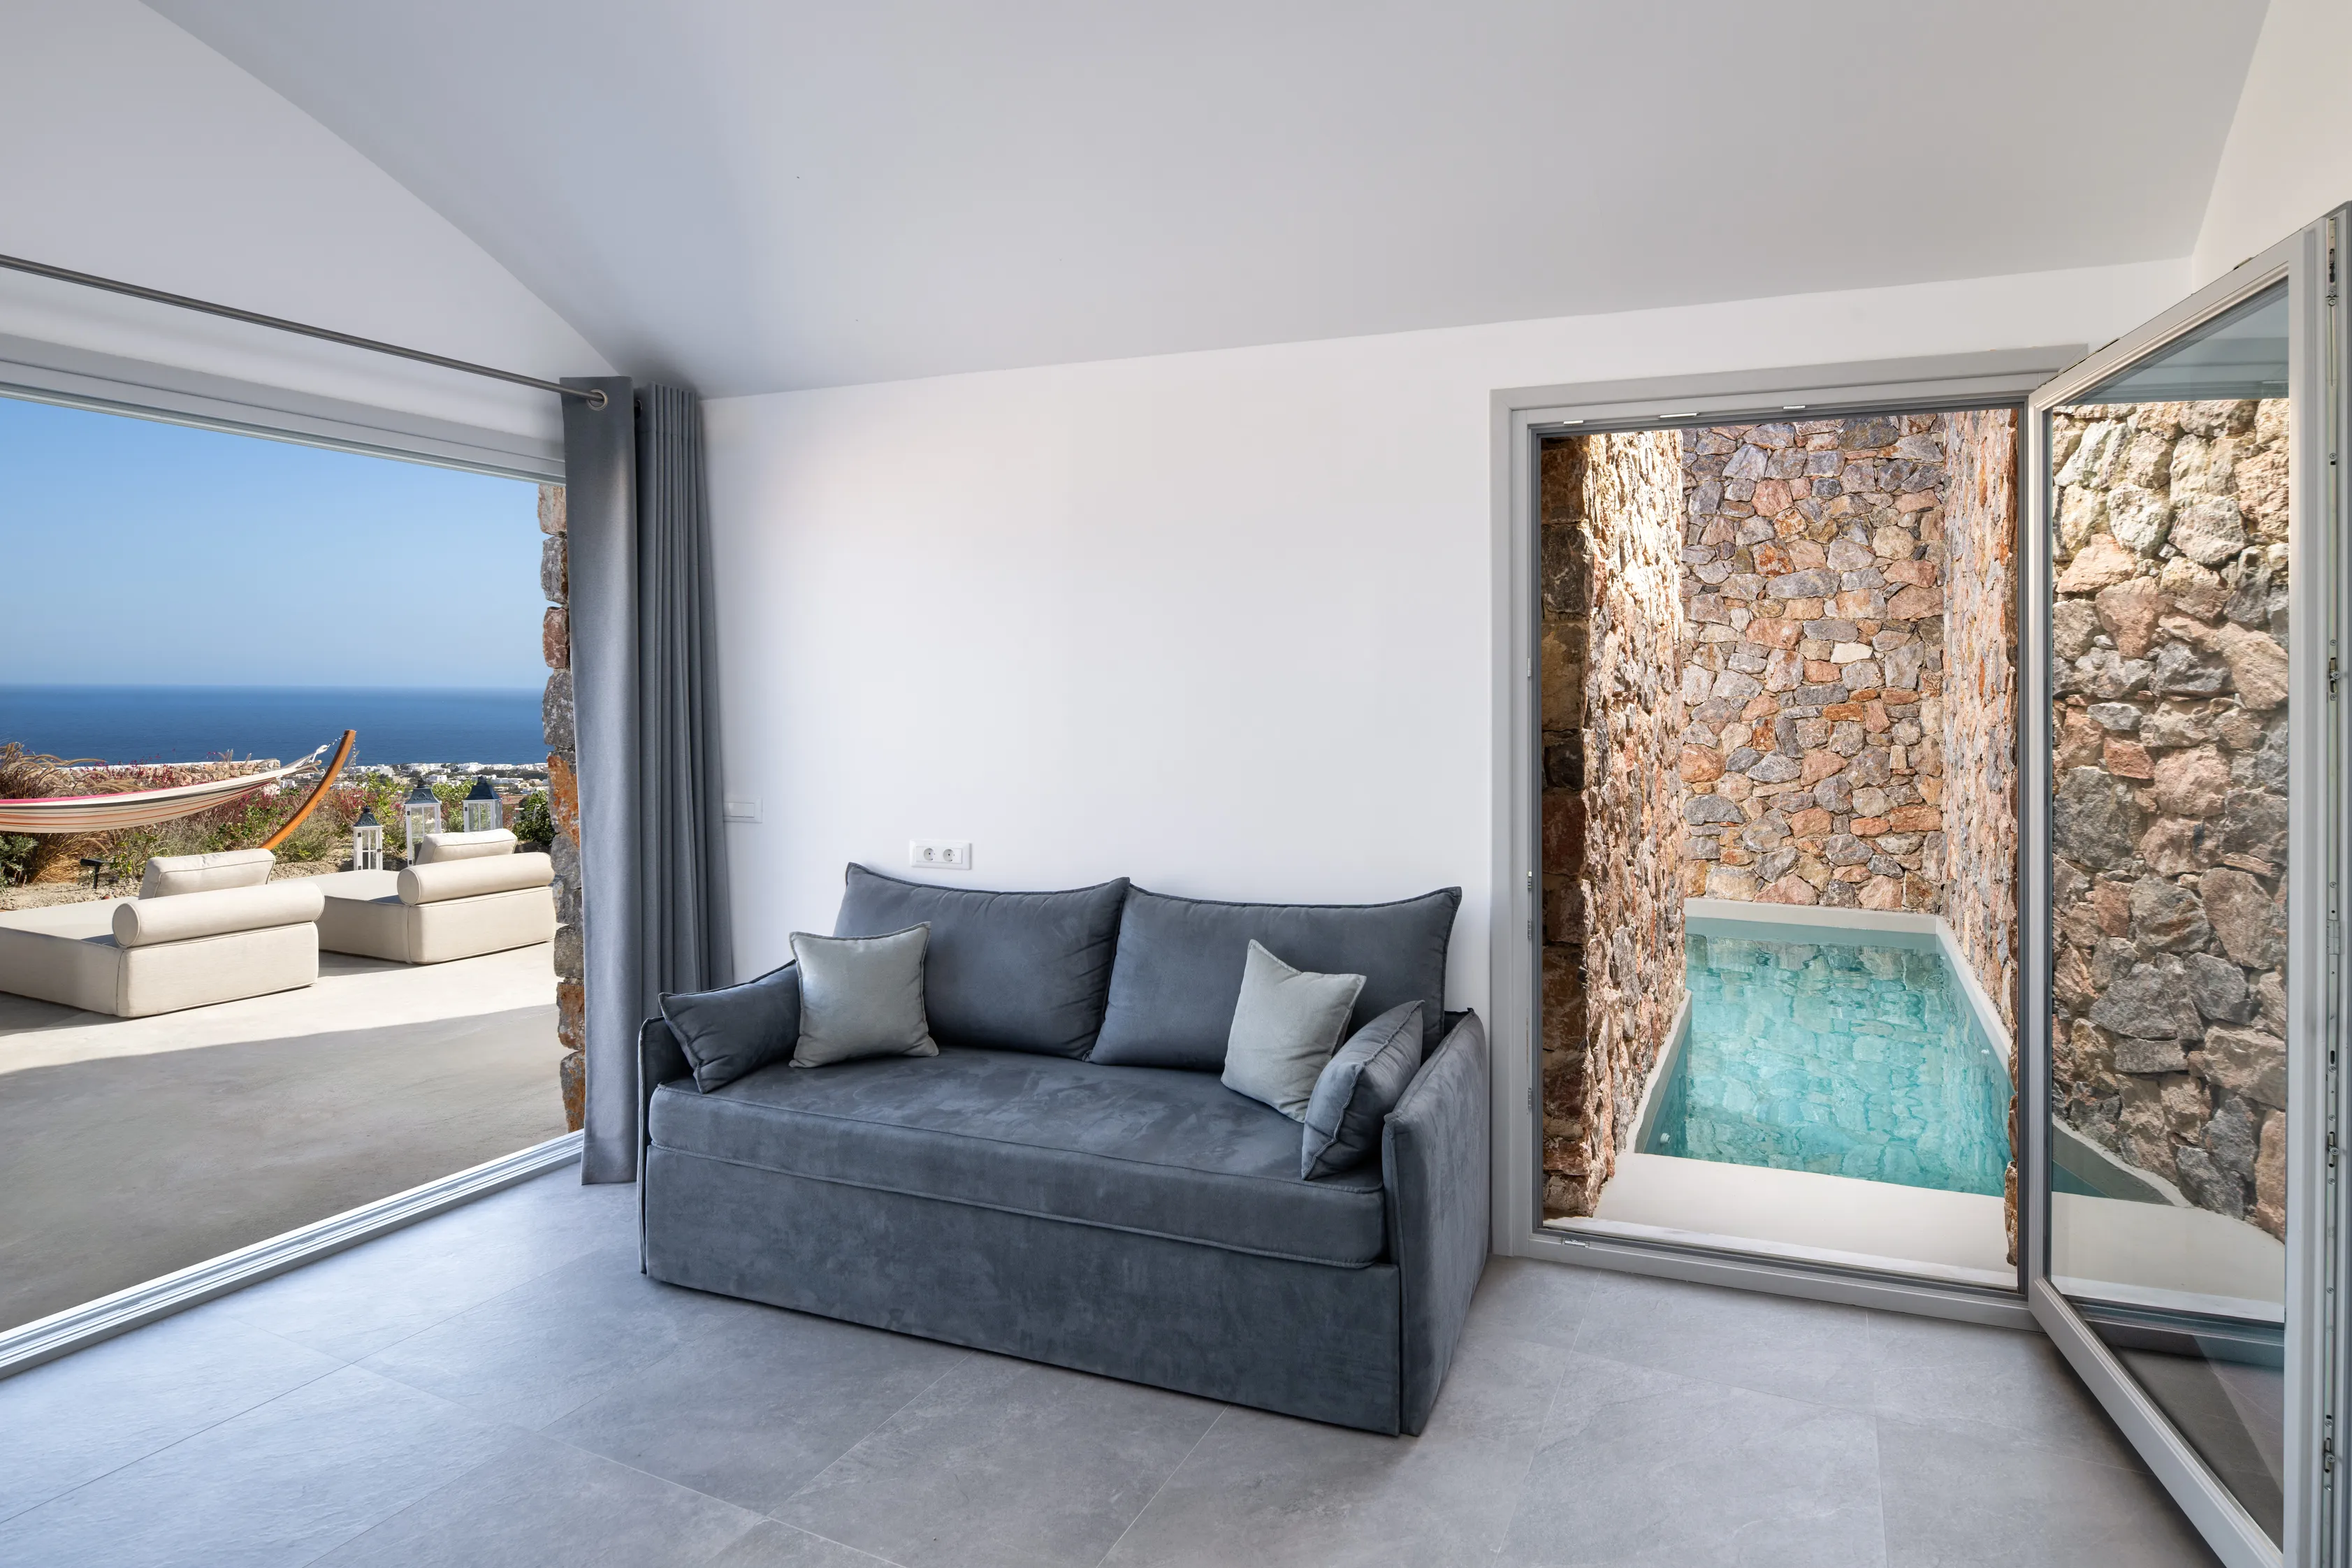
(862, 996)
(736, 1029)
(1286, 1024)
(1359, 1086)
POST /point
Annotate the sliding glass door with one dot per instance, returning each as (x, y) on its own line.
(2183, 847)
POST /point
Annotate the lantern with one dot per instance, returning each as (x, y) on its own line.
(482, 810)
(367, 843)
(420, 814)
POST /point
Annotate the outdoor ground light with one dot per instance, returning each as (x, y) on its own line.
(367, 843)
(420, 814)
(482, 807)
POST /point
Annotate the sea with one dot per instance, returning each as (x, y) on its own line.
(195, 724)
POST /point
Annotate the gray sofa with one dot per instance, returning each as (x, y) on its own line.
(1068, 1181)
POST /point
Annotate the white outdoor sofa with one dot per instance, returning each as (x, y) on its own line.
(467, 894)
(203, 928)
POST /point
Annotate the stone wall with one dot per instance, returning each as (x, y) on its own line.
(2169, 823)
(1980, 730)
(563, 793)
(1812, 662)
(1612, 717)
(1980, 703)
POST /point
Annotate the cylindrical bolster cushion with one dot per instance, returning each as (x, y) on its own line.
(470, 878)
(143, 923)
(437, 847)
(168, 875)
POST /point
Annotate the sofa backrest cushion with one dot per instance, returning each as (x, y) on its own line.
(445, 880)
(736, 1029)
(167, 875)
(1008, 971)
(1179, 971)
(435, 847)
(146, 923)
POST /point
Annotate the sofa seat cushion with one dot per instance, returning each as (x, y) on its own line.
(1151, 1150)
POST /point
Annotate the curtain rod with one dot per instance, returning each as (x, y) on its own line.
(593, 397)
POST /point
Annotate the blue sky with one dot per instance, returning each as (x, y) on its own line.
(143, 554)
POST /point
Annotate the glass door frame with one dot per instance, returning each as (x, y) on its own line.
(2306, 261)
(1521, 417)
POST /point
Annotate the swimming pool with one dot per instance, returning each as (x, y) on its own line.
(1843, 1052)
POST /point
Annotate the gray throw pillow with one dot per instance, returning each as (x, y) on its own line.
(862, 996)
(1359, 1086)
(738, 1028)
(1286, 1025)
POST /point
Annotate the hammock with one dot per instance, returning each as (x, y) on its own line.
(144, 807)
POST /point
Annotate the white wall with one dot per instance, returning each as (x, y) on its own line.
(129, 149)
(1219, 622)
(2288, 158)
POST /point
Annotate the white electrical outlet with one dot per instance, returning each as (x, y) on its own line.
(737, 809)
(940, 854)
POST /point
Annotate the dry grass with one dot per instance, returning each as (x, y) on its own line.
(238, 825)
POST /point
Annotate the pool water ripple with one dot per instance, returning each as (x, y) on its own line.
(1810, 1049)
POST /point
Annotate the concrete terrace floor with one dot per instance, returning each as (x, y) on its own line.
(131, 1147)
(500, 1385)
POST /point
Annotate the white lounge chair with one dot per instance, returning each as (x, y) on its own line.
(467, 894)
(203, 928)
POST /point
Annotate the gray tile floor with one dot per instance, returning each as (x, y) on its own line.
(500, 1386)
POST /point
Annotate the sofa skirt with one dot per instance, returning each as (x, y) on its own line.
(1299, 1339)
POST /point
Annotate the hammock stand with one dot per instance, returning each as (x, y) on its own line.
(145, 807)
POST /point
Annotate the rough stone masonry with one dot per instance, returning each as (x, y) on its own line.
(2169, 827)
(1813, 662)
(1613, 713)
(563, 795)
(1744, 695)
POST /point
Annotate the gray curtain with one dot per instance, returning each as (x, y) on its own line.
(653, 866)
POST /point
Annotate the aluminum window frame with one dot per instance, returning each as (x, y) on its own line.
(1521, 418)
(2313, 1514)
(35, 372)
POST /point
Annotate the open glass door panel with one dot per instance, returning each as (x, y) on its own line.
(2169, 874)
(2182, 853)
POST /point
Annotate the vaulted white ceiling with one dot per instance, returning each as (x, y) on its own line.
(754, 196)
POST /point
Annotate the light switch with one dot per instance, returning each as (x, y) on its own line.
(740, 809)
(940, 854)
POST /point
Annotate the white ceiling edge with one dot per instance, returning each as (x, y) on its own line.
(135, 151)
(797, 194)
(2288, 157)
(2016, 311)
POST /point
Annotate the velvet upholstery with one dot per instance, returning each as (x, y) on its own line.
(737, 1029)
(1178, 973)
(1148, 1150)
(861, 996)
(1357, 1089)
(1434, 1153)
(1014, 972)
(1298, 1337)
(1135, 1221)
(1286, 1024)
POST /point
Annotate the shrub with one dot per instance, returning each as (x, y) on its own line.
(534, 818)
(16, 857)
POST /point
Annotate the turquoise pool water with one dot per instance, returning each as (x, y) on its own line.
(1810, 1049)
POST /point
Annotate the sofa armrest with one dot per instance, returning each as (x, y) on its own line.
(1434, 1151)
(660, 1060)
